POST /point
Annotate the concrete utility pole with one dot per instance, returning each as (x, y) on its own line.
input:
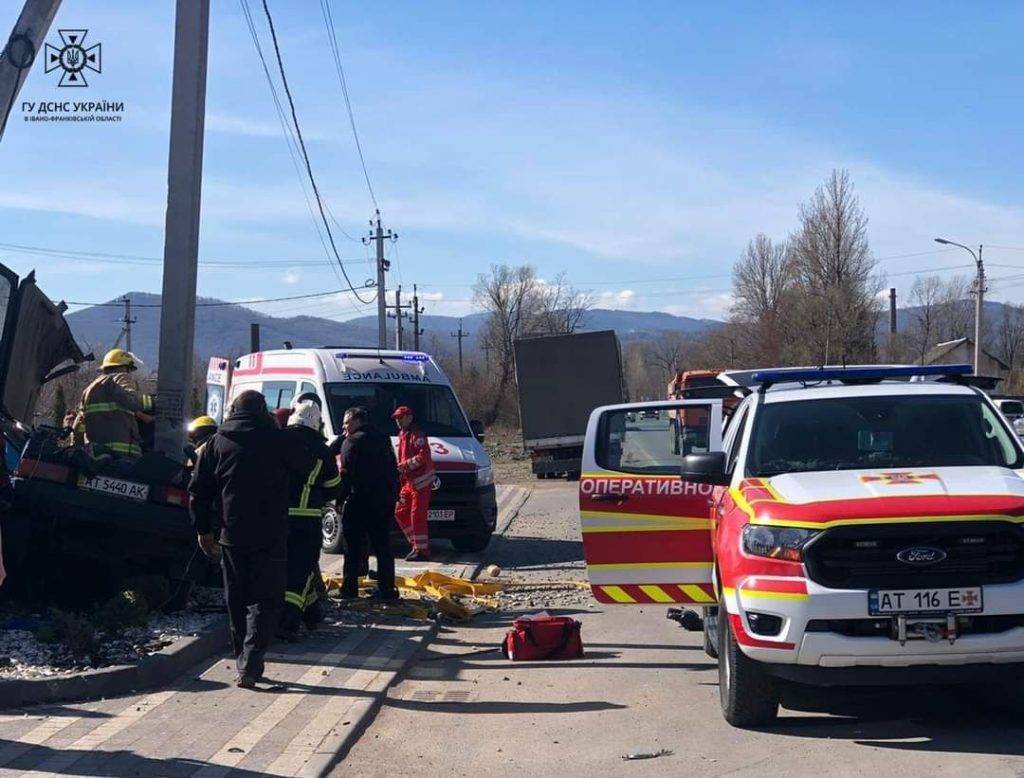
(127, 322)
(399, 314)
(19, 53)
(378, 235)
(254, 337)
(462, 336)
(416, 311)
(979, 300)
(181, 238)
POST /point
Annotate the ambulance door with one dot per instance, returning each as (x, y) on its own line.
(647, 532)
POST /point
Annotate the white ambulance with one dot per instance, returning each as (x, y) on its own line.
(463, 508)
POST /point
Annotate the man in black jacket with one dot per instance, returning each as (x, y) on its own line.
(246, 468)
(369, 484)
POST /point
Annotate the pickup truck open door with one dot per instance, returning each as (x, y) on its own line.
(647, 533)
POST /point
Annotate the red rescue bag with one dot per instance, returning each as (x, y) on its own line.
(543, 636)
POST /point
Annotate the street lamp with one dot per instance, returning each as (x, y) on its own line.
(979, 297)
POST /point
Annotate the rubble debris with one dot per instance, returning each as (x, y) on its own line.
(647, 755)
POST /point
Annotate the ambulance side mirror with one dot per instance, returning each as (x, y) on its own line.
(706, 468)
(478, 430)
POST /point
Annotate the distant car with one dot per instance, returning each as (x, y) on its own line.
(1013, 410)
(650, 413)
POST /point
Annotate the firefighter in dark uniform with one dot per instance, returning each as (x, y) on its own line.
(306, 500)
(243, 472)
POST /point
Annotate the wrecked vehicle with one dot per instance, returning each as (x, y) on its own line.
(73, 520)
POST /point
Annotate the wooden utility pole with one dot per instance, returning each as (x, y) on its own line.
(461, 336)
(20, 51)
(181, 237)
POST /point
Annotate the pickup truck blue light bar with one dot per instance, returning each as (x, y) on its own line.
(856, 373)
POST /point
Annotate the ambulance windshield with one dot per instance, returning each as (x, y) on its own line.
(434, 407)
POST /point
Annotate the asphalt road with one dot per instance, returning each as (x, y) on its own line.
(646, 685)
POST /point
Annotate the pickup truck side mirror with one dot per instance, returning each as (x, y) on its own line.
(705, 468)
(478, 430)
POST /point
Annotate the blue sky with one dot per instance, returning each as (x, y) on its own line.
(622, 143)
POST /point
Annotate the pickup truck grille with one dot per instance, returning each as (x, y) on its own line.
(985, 552)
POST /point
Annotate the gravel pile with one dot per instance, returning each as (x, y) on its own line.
(23, 655)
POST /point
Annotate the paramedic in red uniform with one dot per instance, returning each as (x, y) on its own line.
(416, 469)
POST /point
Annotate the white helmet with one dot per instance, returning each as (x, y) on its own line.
(305, 414)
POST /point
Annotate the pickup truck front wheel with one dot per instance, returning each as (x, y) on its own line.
(748, 694)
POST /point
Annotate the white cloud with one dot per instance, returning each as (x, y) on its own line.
(291, 276)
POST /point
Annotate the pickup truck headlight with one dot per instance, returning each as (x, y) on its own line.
(484, 476)
(785, 543)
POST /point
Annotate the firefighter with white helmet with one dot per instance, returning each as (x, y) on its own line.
(113, 406)
(306, 499)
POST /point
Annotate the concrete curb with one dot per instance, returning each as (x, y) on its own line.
(360, 715)
(514, 506)
(154, 670)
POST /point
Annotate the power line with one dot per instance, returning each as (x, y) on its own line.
(290, 142)
(305, 153)
(221, 303)
(325, 7)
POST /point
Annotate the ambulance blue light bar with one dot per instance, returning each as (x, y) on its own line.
(856, 373)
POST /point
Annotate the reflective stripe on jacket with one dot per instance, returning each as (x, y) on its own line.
(109, 405)
(307, 497)
(415, 464)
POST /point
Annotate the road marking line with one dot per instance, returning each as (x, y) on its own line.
(367, 678)
(252, 733)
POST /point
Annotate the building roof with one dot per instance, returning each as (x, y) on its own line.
(941, 350)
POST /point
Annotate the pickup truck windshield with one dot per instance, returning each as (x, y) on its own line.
(853, 433)
(434, 407)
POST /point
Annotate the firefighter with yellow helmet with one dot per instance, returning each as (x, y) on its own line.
(113, 406)
(200, 430)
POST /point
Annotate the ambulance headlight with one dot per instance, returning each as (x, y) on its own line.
(484, 476)
(786, 543)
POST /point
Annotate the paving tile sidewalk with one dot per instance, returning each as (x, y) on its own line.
(326, 690)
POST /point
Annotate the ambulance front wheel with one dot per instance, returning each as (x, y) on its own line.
(748, 693)
(333, 542)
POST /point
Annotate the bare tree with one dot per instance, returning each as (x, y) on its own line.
(762, 281)
(926, 298)
(956, 310)
(509, 295)
(1010, 335)
(837, 304)
(563, 307)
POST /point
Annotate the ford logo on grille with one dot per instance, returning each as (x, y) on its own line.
(921, 555)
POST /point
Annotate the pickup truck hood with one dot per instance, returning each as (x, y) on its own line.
(36, 344)
(920, 494)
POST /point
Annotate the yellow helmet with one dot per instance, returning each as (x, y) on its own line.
(201, 422)
(118, 357)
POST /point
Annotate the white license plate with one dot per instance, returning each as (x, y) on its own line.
(441, 514)
(118, 486)
(966, 599)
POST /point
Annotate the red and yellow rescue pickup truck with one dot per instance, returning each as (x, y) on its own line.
(850, 526)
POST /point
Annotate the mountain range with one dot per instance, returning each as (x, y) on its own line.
(222, 328)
